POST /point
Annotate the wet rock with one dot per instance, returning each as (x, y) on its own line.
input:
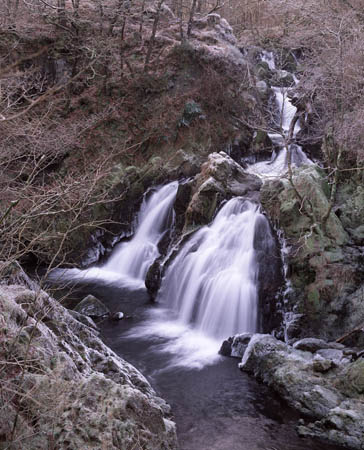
(239, 344)
(183, 197)
(117, 316)
(92, 307)
(225, 349)
(314, 344)
(270, 280)
(332, 397)
(153, 278)
(235, 346)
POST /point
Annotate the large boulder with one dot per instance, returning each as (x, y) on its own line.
(220, 178)
(329, 392)
(68, 389)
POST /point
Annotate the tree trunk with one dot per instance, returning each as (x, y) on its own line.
(192, 15)
(152, 37)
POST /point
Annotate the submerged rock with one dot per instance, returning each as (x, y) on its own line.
(92, 307)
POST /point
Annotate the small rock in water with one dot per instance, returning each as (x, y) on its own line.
(239, 345)
(92, 307)
(225, 349)
(118, 316)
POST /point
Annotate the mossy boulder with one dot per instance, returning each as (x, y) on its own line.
(319, 267)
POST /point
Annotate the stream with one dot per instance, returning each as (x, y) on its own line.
(214, 404)
(208, 293)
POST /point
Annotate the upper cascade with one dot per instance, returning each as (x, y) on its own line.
(287, 149)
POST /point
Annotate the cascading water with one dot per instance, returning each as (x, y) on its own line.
(130, 260)
(134, 257)
(210, 290)
(278, 165)
(212, 281)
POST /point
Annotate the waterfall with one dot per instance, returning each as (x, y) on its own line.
(212, 281)
(210, 289)
(130, 260)
(278, 165)
(133, 258)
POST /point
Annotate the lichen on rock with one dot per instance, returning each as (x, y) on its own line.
(73, 390)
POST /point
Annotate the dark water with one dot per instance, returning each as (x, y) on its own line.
(215, 408)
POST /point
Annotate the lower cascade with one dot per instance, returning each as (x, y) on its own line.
(212, 283)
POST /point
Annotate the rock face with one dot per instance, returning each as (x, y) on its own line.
(324, 384)
(324, 268)
(73, 391)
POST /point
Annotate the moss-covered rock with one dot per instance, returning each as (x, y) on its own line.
(321, 269)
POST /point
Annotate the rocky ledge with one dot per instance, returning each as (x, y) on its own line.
(63, 388)
(323, 381)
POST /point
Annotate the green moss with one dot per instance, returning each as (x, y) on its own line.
(313, 298)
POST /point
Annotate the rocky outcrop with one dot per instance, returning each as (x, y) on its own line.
(220, 179)
(63, 388)
(325, 384)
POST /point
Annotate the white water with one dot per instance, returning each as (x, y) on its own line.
(134, 257)
(211, 283)
(209, 291)
(268, 57)
(130, 260)
(278, 165)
